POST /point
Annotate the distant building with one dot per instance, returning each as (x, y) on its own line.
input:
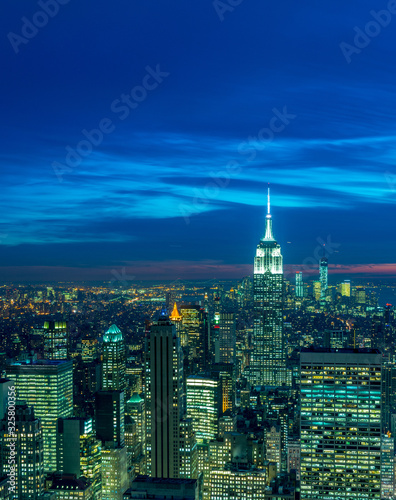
(323, 275)
(345, 288)
(299, 285)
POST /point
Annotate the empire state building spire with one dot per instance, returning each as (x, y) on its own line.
(269, 235)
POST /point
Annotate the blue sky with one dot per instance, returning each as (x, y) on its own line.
(177, 188)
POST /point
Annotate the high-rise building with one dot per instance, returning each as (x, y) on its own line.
(164, 399)
(225, 372)
(56, 340)
(317, 290)
(48, 386)
(203, 406)
(194, 332)
(28, 458)
(340, 424)
(113, 375)
(268, 357)
(226, 343)
(115, 478)
(299, 285)
(79, 451)
(346, 288)
(135, 410)
(110, 415)
(323, 275)
(387, 466)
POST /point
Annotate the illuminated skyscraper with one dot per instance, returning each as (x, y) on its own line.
(268, 358)
(323, 275)
(340, 424)
(194, 333)
(203, 406)
(346, 288)
(48, 386)
(56, 340)
(225, 344)
(113, 378)
(28, 458)
(316, 290)
(299, 285)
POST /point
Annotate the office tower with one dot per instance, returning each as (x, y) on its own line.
(226, 344)
(6, 390)
(115, 477)
(388, 391)
(346, 288)
(268, 357)
(110, 414)
(203, 406)
(340, 424)
(225, 372)
(135, 410)
(69, 487)
(89, 349)
(79, 452)
(165, 404)
(113, 377)
(188, 450)
(48, 386)
(323, 275)
(293, 457)
(195, 334)
(387, 466)
(299, 285)
(163, 489)
(28, 458)
(273, 446)
(56, 340)
(316, 290)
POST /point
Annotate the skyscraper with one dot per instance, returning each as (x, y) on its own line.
(165, 401)
(56, 340)
(323, 275)
(48, 386)
(195, 332)
(340, 424)
(225, 344)
(299, 285)
(113, 378)
(78, 451)
(28, 459)
(204, 406)
(268, 357)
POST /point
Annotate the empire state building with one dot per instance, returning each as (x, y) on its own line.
(268, 357)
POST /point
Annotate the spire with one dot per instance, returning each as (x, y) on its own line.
(269, 236)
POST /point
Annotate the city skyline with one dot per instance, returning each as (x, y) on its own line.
(208, 124)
